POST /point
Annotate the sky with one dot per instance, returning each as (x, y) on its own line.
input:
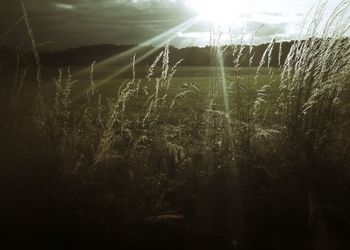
(65, 24)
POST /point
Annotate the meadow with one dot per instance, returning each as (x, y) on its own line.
(182, 157)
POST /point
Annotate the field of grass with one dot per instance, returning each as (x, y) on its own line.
(181, 157)
(205, 80)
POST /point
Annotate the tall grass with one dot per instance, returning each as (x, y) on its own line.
(135, 160)
(312, 83)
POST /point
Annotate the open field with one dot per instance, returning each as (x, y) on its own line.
(179, 162)
(174, 157)
(206, 78)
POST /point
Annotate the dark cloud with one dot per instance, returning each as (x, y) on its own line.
(78, 22)
(266, 29)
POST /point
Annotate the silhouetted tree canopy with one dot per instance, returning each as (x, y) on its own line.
(192, 56)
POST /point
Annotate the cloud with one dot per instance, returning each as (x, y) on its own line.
(78, 22)
(71, 23)
(263, 29)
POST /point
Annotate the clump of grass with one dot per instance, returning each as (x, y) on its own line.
(314, 75)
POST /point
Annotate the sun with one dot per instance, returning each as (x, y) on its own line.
(219, 11)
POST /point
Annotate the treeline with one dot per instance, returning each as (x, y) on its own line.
(122, 54)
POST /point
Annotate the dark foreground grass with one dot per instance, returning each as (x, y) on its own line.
(173, 183)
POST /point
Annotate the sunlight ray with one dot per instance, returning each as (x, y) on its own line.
(161, 40)
(223, 83)
(155, 41)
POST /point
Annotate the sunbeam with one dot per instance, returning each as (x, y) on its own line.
(225, 97)
(157, 42)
